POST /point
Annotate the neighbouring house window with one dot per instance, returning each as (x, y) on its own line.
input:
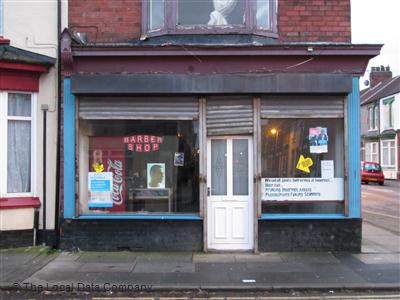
(371, 152)
(388, 117)
(388, 153)
(373, 117)
(16, 150)
(139, 166)
(302, 165)
(210, 16)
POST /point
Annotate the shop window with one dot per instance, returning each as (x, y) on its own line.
(138, 166)
(210, 16)
(388, 153)
(371, 152)
(302, 165)
(16, 151)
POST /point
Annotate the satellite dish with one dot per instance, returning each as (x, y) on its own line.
(366, 82)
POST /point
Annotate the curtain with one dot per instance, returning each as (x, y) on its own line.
(222, 9)
(19, 144)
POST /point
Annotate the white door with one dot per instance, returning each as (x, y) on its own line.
(230, 193)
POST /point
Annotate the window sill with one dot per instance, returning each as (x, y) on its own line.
(19, 202)
(140, 217)
(302, 216)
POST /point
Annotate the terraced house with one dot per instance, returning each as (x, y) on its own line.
(211, 125)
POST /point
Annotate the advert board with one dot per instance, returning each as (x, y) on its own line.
(100, 189)
(302, 189)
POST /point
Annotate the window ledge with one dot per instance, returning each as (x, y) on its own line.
(140, 217)
(19, 202)
(302, 216)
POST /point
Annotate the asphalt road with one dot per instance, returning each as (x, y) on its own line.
(381, 205)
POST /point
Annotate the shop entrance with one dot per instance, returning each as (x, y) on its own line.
(230, 193)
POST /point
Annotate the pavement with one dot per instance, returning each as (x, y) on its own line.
(377, 267)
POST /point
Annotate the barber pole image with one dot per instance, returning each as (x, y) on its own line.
(107, 154)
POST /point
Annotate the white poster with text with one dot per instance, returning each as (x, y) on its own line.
(302, 189)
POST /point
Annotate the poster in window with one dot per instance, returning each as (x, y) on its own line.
(156, 176)
(100, 189)
(318, 140)
(179, 159)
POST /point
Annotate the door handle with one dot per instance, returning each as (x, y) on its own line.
(208, 191)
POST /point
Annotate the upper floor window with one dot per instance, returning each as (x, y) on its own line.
(209, 16)
(373, 117)
(388, 113)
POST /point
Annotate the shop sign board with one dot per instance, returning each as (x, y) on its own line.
(302, 189)
(100, 186)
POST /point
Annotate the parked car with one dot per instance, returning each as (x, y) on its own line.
(371, 172)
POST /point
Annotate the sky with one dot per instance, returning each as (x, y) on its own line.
(377, 22)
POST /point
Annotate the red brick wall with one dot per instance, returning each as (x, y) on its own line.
(298, 20)
(314, 20)
(106, 20)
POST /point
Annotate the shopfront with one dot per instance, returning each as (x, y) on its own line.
(209, 162)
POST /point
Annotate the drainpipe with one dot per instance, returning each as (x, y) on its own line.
(44, 108)
(57, 196)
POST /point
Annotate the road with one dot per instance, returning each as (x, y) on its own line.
(381, 205)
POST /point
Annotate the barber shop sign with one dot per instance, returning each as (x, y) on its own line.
(143, 143)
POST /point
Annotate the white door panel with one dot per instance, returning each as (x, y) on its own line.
(230, 199)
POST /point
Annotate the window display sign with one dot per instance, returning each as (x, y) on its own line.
(143, 143)
(156, 176)
(302, 189)
(108, 154)
(100, 186)
(318, 139)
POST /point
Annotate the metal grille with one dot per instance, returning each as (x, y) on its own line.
(142, 108)
(302, 107)
(229, 116)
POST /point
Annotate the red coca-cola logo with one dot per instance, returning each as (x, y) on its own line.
(116, 167)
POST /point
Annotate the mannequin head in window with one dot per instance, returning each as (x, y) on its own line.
(156, 176)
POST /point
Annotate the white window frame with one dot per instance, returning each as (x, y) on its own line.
(390, 149)
(387, 114)
(372, 117)
(369, 153)
(4, 143)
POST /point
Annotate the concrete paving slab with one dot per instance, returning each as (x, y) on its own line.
(164, 256)
(262, 257)
(309, 257)
(213, 258)
(381, 258)
(107, 257)
(106, 267)
(163, 267)
(275, 267)
(221, 267)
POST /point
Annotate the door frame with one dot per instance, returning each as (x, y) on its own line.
(250, 197)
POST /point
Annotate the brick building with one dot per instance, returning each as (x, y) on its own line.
(211, 125)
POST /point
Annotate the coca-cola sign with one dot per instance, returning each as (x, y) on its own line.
(116, 167)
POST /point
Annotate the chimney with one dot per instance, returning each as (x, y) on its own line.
(379, 74)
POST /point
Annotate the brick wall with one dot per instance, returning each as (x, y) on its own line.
(314, 20)
(105, 20)
(108, 21)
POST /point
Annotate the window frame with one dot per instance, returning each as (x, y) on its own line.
(171, 18)
(4, 118)
(390, 149)
(369, 153)
(387, 112)
(1, 19)
(372, 117)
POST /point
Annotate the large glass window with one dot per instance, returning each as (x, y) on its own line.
(139, 166)
(207, 16)
(302, 165)
(371, 152)
(387, 107)
(16, 151)
(388, 153)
